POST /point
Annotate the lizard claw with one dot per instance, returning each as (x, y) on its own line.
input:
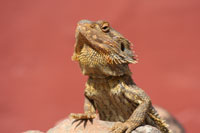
(126, 127)
(82, 118)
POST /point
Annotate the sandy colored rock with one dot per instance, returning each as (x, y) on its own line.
(98, 126)
(146, 129)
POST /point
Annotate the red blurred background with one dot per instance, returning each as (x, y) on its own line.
(40, 85)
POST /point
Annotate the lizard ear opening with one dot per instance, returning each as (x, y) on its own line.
(122, 46)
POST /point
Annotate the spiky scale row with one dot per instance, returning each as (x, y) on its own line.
(160, 124)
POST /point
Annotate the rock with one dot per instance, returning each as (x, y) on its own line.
(66, 126)
(146, 129)
(98, 126)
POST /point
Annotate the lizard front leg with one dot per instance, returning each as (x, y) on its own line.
(138, 96)
(89, 113)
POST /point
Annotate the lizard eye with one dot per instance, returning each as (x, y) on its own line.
(105, 27)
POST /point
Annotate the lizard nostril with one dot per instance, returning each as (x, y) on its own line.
(122, 46)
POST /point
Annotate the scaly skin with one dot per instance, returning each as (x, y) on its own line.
(104, 55)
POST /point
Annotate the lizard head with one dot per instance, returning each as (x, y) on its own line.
(101, 50)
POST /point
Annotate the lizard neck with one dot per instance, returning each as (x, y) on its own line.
(105, 71)
(110, 82)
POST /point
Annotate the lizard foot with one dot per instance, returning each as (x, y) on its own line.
(126, 127)
(83, 118)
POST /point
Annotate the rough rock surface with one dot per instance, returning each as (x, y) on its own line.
(146, 129)
(97, 126)
(66, 126)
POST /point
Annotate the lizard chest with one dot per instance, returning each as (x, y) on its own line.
(110, 101)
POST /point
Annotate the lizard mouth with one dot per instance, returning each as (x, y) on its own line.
(80, 43)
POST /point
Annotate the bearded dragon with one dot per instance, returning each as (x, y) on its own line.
(103, 55)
